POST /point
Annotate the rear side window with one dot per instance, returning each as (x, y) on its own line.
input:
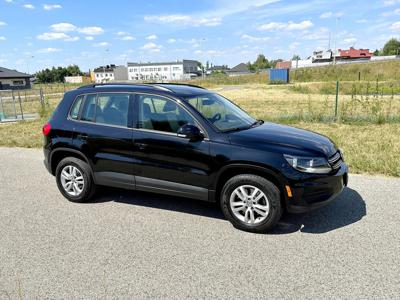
(112, 109)
(75, 108)
(89, 108)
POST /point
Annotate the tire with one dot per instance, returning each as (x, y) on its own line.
(82, 184)
(266, 211)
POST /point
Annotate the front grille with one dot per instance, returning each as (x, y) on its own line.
(336, 160)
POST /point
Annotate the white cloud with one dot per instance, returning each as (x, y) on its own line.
(210, 52)
(48, 50)
(294, 45)
(72, 39)
(68, 27)
(350, 40)
(151, 37)
(63, 27)
(286, 26)
(397, 11)
(9, 1)
(185, 20)
(29, 6)
(171, 41)
(128, 38)
(152, 47)
(3, 23)
(395, 26)
(92, 30)
(251, 38)
(390, 2)
(89, 38)
(51, 6)
(122, 33)
(2, 38)
(102, 44)
(48, 36)
(362, 21)
(326, 15)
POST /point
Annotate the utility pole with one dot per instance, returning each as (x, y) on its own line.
(335, 43)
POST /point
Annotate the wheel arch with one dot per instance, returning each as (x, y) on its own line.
(60, 153)
(232, 170)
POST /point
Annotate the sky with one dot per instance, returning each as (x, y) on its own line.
(38, 34)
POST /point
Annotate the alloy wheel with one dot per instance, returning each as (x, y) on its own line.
(72, 180)
(249, 204)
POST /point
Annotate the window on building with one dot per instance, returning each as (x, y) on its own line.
(18, 82)
(165, 68)
(161, 114)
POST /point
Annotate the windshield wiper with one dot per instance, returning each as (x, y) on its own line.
(257, 123)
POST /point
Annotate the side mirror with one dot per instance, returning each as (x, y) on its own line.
(190, 132)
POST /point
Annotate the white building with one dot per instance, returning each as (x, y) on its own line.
(110, 73)
(104, 74)
(178, 70)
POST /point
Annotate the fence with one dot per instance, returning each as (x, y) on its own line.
(22, 104)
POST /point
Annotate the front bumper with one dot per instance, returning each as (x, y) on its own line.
(314, 192)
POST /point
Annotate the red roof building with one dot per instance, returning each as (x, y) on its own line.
(354, 53)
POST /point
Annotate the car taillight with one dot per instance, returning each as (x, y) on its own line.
(46, 129)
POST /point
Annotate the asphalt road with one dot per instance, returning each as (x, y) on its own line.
(135, 245)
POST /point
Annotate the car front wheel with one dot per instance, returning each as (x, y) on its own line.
(251, 203)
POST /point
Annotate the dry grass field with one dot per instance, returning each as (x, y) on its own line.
(367, 128)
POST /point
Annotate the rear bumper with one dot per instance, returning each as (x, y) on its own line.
(46, 160)
(316, 192)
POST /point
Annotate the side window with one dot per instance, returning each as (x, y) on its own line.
(75, 108)
(161, 114)
(112, 109)
(89, 108)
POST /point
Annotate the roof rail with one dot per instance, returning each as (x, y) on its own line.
(174, 83)
(154, 84)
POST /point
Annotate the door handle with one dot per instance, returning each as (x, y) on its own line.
(141, 146)
(83, 137)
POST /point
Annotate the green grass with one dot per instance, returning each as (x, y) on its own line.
(368, 71)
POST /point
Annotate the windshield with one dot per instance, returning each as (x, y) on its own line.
(222, 113)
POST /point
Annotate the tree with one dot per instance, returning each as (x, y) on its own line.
(57, 74)
(296, 57)
(377, 52)
(261, 62)
(392, 47)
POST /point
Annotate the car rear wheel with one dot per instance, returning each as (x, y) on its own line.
(251, 203)
(74, 179)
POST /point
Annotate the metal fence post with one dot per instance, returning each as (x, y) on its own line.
(20, 105)
(13, 98)
(337, 99)
(41, 98)
(2, 107)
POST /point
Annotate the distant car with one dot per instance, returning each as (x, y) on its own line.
(186, 141)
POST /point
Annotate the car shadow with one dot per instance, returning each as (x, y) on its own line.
(348, 208)
(165, 202)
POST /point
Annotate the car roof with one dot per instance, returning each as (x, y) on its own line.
(159, 88)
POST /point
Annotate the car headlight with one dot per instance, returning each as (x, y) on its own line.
(317, 165)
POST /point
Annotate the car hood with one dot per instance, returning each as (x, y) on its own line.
(284, 138)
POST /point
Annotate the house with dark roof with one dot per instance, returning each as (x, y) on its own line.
(14, 80)
(240, 69)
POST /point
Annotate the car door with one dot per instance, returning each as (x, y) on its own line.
(167, 163)
(104, 134)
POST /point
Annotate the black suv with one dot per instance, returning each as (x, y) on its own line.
(186, 141)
